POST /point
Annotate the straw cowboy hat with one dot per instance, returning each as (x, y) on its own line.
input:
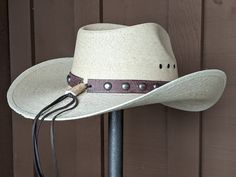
(125, 66)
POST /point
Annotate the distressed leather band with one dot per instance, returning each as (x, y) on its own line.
(116, 86)
(73, 80)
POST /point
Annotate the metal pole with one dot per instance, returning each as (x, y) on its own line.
(115, 144)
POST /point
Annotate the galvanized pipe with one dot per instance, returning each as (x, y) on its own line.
(115, 144)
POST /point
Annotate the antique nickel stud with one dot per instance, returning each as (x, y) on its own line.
(125, 86)
(107, 86)
(68, 78)
(142, 86)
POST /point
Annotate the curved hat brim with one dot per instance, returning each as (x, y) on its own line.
(43, 83)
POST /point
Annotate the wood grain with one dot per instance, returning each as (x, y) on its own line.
(219, 125)
(20, 58)
(89, 143)
(86, 12)
(145, 152)
(78, 142)
(6, 168)
(54, 29)
(184, 27)
(135, 11)
(54, 37)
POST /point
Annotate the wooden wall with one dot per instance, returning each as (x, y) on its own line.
(6, 166)
(158, 141)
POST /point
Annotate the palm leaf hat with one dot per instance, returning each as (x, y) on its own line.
(124, 66)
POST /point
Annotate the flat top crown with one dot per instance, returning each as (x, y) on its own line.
(111, 51)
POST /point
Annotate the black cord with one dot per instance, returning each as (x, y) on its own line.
(36, 129)
(38, 168)
(52, 135)
(37, 132)
(34, 140)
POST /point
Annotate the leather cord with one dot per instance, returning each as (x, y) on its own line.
(36, 129)
(52, 135)
(36, 157)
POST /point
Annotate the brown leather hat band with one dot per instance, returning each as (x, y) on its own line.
(116, 86)
(73, 80)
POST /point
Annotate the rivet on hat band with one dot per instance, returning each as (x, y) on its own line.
(116, 86)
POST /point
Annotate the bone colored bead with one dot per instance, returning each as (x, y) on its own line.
(78, 89)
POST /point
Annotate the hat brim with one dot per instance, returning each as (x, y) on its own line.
(43, 83)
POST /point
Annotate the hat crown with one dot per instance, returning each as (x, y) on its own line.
(111, 51)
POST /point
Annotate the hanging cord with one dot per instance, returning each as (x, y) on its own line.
(52, 135)
(38, 169)
(45, 112)
(35, 136)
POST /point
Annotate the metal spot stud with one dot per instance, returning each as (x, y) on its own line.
(155, 86)
(125, 86)
(68, 78)
(107, 86)
(142, 86)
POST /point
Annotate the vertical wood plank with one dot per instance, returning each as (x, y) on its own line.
(86, 12)
(20, 36)
(184, 27)
(20, 58)
(54, 37)
(55, 34)
(6, 168)
(219, 124)
(88, 144)
(133, 12)
(145, 151)
(88, 131)
(54, 29)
